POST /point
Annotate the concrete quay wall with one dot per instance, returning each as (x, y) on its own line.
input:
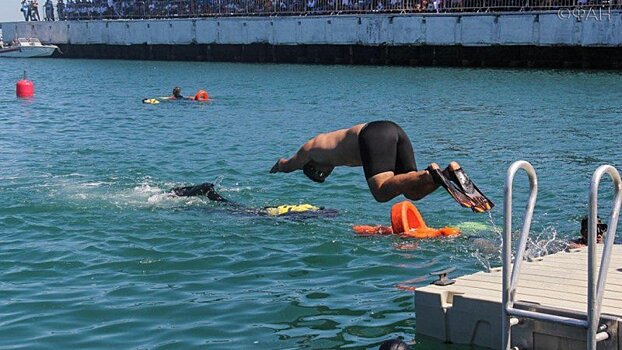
(501, 39)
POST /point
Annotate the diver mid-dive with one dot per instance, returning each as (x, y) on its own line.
(297, 211)
(386, 154)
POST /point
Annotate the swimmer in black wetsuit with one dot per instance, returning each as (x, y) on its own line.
(384, 151)
(205, 189)
(296, 211)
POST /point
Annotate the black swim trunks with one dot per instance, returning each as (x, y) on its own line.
(385, 147)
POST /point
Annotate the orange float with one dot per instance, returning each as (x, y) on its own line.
(407, 221)
(368, 230)
(201, 96)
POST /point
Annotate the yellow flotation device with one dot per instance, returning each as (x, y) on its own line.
(287, 209)
(151, 101)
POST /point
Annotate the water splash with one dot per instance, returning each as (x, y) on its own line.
(544, 243)
(89, 192)
(489, 251)
(482, 260)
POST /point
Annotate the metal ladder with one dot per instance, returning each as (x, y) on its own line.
(509, 314)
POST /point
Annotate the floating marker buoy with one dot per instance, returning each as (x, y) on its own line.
(406, 217)
(368, 230)
(201, 96)
(406, 221)
(25, 88)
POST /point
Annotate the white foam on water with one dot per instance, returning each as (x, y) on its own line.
(95, 184)
(488, 250)
(544, 243)
(146, 194)
(234, 189)
(149, 194)
(157, 198)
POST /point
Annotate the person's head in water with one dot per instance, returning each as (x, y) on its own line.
(393, 344)
(317, 172)
(601, 229)
(177, 92)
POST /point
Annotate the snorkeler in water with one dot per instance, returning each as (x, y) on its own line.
(177, 95)
(205, 189)
(386, 154)
(601, 230)
(295, 211)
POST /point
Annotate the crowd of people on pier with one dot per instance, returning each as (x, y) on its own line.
(30, 10)
(137, 9)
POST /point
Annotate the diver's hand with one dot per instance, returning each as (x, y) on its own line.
(276, 167)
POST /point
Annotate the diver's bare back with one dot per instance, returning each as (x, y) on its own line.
(337, 148)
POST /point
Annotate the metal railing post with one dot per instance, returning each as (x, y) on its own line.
(510, 281)
(596, 289)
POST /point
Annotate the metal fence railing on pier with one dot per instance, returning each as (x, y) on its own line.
(153, 9)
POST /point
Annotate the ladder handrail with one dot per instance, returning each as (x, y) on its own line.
(596, 289)
(509, 282)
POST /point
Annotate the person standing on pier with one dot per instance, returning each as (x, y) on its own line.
(25, 10)
(34, 8)
(49, 10)
(60, 9)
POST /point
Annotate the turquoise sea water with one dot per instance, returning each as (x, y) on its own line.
(93, 255)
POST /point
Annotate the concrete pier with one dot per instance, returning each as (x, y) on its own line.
(544, 39)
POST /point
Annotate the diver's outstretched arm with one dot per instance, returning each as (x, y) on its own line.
(294, 163)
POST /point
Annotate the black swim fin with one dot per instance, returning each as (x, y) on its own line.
(204, 189)
(469, 188)
(440, 179)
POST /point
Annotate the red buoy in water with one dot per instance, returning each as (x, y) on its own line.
(25, 88)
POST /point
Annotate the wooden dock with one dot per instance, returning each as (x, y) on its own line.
(469, 311)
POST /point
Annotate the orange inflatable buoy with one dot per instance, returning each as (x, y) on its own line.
(406, 220)
(406, 217)
(366, 230)
(201, 96)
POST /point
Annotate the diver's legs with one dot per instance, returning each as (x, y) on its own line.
(413, 185)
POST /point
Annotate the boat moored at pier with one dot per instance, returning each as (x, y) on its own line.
(25, 48)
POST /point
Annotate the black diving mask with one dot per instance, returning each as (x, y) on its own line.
(315, 174)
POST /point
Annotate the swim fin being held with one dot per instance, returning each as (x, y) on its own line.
(460, 187)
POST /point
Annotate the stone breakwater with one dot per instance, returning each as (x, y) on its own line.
(543, 39)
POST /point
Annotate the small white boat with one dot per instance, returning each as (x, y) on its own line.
(26, 47)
